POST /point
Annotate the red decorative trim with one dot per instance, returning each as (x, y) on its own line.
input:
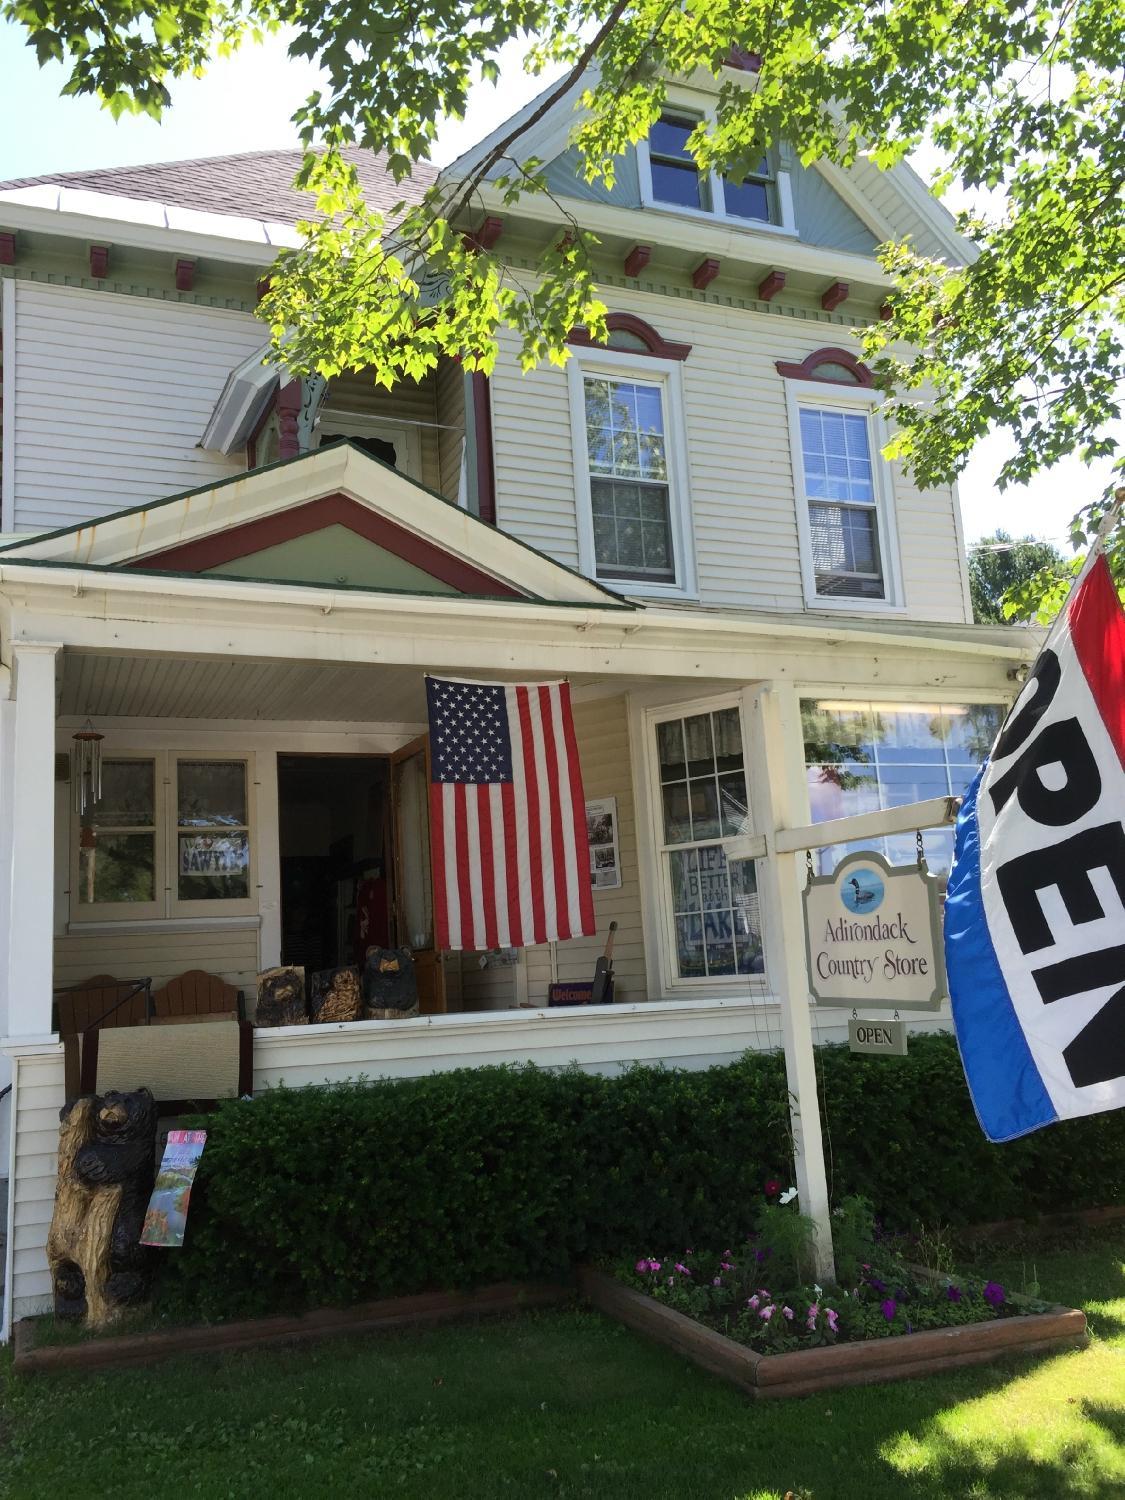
(704, 273)
(745, 62)
(770, 285)
(261, 287)
(836, 293)
(637, 259)
(482, 432)
(99, 262)
(185, 275)
(655, 344)
(886, 312)
(485, 236)
(288, 410)
(807, 369)
(330, 510)
(7, 248)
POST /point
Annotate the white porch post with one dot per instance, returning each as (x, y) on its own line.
(31, 862)
(777, 776)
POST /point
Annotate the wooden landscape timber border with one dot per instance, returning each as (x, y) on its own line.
(901, 1357)
(254, 1333)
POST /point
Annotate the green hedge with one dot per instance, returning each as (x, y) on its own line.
(327, 1195)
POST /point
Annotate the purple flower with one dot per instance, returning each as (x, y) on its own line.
(682, 1268)
(766, 1313)
(888, 1309)
(953, 1293)
(833, 1318)
(788, 1311)
(994, 1293)
(717, 1281)
(753, 1302)
(762, 1255)
(876, 1285)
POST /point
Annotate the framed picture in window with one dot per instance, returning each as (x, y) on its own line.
(605, 853)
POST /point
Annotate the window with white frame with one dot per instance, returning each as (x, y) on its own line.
(844, 494)
(671, 178)
(170, 835)
(710, 892)
(630, 477)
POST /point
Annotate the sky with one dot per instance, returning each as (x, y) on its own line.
(245, 103)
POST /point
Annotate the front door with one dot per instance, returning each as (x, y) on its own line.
(413, 879)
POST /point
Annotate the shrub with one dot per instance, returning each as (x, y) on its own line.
(328, 1195)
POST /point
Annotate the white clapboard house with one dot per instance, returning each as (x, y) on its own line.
(241, 581)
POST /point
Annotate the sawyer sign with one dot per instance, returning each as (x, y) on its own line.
(873, 935)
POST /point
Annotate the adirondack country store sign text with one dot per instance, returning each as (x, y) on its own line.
(873, 935)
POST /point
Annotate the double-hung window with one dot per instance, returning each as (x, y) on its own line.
(170, 836)
(844, 495)
(710, 891)
(670, 178)
(630, 475)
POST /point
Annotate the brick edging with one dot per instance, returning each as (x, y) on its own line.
(253, 1333)
(900, 1357)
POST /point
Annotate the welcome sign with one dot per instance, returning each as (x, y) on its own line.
(873, 935)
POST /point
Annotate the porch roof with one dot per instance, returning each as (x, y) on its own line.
(164, 537)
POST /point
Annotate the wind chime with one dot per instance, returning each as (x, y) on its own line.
(87, 766)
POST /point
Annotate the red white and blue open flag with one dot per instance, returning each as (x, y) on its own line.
(1035, 913)
(511, 862)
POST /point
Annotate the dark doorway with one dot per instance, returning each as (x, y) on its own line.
(334, 834)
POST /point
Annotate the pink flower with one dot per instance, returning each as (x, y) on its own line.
(814, 1313)
(654, 1265)
(833, 1318)
(762, 1292)
(766, 1313)
(726, 1265)
(717, 1281)
(682, 1269)
(642, 1265)
(788, 1311)
(773, 1187)
(753, 1302)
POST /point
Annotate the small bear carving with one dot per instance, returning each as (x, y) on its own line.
(107, 1165)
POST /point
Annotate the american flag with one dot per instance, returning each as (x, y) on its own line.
(511, 864)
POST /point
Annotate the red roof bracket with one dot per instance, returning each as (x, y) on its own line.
(185, 274)
(770, 285)
(99, 262)
(637, 259)
(838, 292)
(704, 273)
(484, 237)
(7, 248)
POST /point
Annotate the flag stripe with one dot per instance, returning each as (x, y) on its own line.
(464, 871)
(558, 853)
(584, 918)
(437, 867)
(483, 817)
(1097, 628)
(535, 856)
(453, 896)
(498, 839)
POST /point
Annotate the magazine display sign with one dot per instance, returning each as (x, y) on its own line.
(166, 1218)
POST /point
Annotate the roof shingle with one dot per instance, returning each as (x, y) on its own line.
(251, 184)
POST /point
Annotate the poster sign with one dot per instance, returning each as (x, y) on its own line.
(166, 1217)
(877, 1038)
(873, 935)
(601, 834)
(213, 854)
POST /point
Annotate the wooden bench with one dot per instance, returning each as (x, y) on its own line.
(195, 993)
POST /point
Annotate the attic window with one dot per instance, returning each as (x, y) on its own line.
(632, 335)
(830, 370)
(672, 179)
(625, 338)
(834, 366)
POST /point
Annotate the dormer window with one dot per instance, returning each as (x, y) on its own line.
(671, 179)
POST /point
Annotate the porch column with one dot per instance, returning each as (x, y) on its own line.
(777, 779)
(30, 816)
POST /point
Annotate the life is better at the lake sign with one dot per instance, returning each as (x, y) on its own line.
(873, 935)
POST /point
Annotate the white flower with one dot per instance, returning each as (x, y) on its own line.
(819, 1290)
(788, 1195)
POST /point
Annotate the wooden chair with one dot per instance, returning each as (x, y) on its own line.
(96, 1004)
(195, 994)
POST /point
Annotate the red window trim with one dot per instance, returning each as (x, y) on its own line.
(330, 510)
(807, 368)
(655, 343)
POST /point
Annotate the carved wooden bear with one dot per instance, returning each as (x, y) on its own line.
(107, 1164)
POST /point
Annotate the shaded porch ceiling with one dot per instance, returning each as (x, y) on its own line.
(98, 685)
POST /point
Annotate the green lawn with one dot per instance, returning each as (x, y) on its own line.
(566, 1404)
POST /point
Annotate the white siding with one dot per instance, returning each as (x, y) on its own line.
(412, 401)
(112, 394)
(37, 1097)
(137, 953)
(740, 469)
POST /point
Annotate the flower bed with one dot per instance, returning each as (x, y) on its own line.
(753, 1313)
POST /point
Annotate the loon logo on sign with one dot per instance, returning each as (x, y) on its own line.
(1035, 914)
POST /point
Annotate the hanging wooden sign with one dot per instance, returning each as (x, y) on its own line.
(873, 935)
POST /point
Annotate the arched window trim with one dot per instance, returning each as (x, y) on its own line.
(655, 344)
(808, 367)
